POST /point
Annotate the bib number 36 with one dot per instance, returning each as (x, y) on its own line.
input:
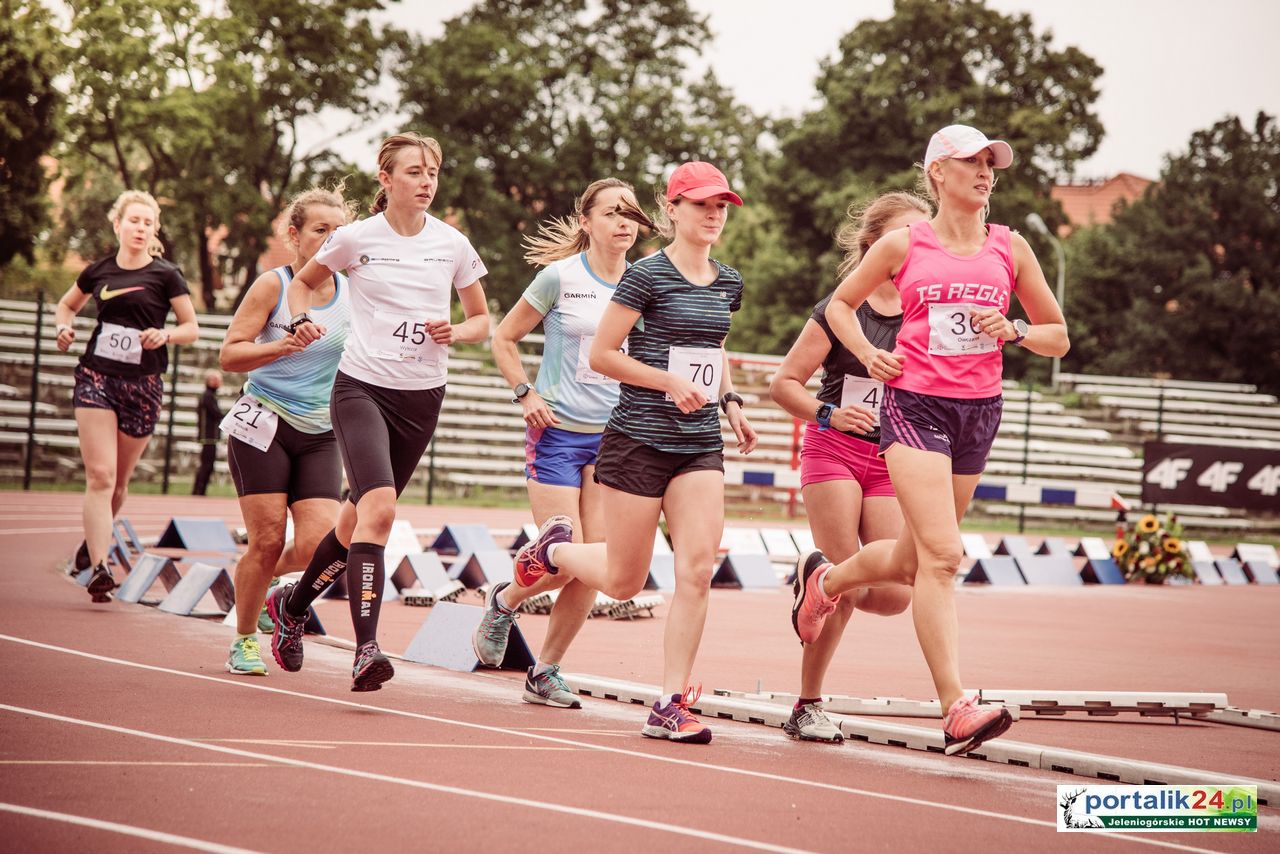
(954, 332)
(251, 423)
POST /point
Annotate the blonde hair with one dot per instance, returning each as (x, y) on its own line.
(865, 225)
(563, 237)
(138, 197)
(296, 213)
(391, 146)
(928, 186)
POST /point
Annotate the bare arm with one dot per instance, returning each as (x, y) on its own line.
(1048, 333)
(607, 358)
(474, 329)
(742, 429)
(240, 351)
(65, 314)
(880, 264)
(519, 322)
(299, 293)
(185, 332)
(788, 386)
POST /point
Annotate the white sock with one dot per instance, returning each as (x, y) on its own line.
(502, 603)
(666, 700)
(540, 667)
(551, 553)
(242, 637)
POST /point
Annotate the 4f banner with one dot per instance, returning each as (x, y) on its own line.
(1211, 476)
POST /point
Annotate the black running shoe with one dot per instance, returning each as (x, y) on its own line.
(286, 637)
(82, 558)
(371, 669)
(101, 584)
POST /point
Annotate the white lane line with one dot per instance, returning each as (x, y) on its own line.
(651, 757)
(545, 806)
(126, 829)
(131, 763)
(24, 531)
(302, 742)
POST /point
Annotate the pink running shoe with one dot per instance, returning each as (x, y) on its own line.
(969, 724)
(531, 561)
(675, 722)
(812, 606)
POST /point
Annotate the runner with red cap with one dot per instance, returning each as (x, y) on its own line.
(662, 451)
(956, 275)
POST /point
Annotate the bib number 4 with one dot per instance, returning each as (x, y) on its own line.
(864, 392)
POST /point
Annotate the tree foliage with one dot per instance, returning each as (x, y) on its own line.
(1186, 280)
(892, 84)
(200, 104)
(534, 99)
(30, 60)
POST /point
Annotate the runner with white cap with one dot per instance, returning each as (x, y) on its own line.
(956, 275)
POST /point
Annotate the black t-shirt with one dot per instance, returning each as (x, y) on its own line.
(880, 330)
(137, 299)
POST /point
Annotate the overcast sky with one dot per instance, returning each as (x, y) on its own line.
(1171, 67)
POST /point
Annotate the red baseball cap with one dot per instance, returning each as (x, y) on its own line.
(698, 180)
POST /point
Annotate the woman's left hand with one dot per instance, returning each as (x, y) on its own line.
(742, 429)
(995, 324)
(153, 339)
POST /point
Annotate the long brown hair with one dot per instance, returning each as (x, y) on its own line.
(563, 237)
(138, 197)
(387, 159)
(865, 225)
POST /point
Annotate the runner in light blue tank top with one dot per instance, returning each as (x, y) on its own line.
(280, 446)
(584, 256)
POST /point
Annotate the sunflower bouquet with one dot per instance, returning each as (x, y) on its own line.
(1151, 550)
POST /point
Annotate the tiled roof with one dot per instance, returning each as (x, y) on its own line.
(1091, 203)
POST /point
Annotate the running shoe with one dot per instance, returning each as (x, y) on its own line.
(286, 635)
(81, 561)
(675, 722)
(548, 688)
(101, 583)
(371, 669)
(531, 561)
(246, 658)
(810, 723)
(266, 625)
(490, 637)
(812, 606)
(969, 723)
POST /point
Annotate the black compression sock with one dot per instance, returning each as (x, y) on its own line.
(328, 562)
(364, 587)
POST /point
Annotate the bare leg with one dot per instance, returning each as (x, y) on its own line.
(98, 448)
(312, 519)
(264, 517)
(619, 566)
(694, 507)
(573, 606)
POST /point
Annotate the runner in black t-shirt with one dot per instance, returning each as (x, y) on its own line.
(662, 451)
(118, 381)
(845, 483)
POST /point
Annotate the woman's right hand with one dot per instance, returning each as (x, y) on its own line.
(853, 419)
(66, 337)
(288, 345)
(881, 365)
(686, 396)
(536, 412)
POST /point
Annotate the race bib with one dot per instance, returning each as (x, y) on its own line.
(864, 392)
(584, 373)
(251, 423)
(700, 365)
(952, 332)
(402, 337)
(119, 343)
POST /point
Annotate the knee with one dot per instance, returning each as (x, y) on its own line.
(266, 546)
(696, 571)
(377, 519)
(100, 478)
(624, 589)
(940, 558)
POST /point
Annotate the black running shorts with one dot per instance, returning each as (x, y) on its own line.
(382, 432)
(301, 465)
(630, 465)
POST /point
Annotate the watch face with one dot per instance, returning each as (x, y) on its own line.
(1020, 326)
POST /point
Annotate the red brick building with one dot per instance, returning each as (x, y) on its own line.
(1091, 202)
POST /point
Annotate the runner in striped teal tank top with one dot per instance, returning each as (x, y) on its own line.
(280, 446)
(662, 453)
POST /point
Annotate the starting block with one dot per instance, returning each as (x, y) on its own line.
(201, 579)
(1206, 572)
(1232, 571)
(1260, 573)
(1101, 572)
(625, 608)
(421, 577)
(1054, 546)
(483, 567)
(999, 571)
(975, 546)
(1107, 703)
(460, 539)
(197, 535)
(1056, 570)
(1015, 547)
(124, 530)
(528, 533)
(746, 572)
(148, 569)
(445, 640)
(662, 573)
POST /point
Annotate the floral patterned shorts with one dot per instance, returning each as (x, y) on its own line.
(135, 401)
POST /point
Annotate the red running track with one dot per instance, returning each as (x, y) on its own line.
(119, 720)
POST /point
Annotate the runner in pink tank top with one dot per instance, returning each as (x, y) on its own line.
(956, 275)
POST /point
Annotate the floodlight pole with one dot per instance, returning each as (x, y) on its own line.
(1038, 225)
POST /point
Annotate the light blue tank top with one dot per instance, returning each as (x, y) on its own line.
(298, 387)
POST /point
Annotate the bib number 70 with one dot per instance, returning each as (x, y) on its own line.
(699, 365)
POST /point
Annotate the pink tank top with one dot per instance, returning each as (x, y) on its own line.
(943, 354)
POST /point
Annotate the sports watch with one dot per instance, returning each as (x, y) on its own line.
(297, 320)
(730, 397)
(823, 415)
(520, 391)
(1020, 326)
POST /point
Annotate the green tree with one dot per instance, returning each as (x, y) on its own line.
(534, 99)
(30, 59)
(200, 104)
(1186, 280)
(891, 84)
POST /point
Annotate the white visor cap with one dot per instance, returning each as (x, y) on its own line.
(964, 141)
